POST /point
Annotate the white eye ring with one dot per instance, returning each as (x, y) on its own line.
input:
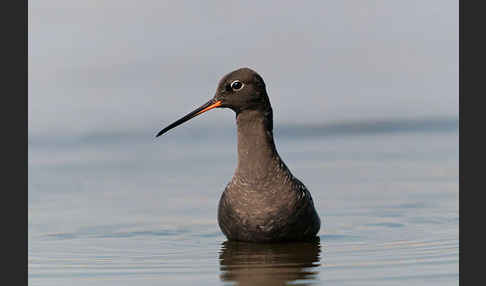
(237, 85)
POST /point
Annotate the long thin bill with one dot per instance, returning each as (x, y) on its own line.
(203, 108)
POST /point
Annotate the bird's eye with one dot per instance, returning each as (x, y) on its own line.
(236, 85)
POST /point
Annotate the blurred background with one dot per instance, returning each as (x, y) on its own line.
(365, 101)
(98, 66)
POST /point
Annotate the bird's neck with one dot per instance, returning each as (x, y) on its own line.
(257, 155)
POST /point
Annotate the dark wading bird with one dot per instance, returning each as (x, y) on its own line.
(263, 202)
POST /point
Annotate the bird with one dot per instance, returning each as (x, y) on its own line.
(263, 202)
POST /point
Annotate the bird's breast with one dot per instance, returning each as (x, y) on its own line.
(260, 204)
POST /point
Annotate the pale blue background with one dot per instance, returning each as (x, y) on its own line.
(365, 98)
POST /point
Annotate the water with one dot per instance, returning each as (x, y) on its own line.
(124, 209)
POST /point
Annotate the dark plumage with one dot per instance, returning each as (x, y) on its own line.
(263, 202)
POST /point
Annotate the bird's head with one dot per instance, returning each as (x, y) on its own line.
(242, 89)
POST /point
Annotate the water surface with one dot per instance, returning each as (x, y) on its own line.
(125, 209)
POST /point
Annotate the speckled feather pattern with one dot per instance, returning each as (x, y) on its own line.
(264, 201)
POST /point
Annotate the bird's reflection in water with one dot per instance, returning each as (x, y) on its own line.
(269, 264)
